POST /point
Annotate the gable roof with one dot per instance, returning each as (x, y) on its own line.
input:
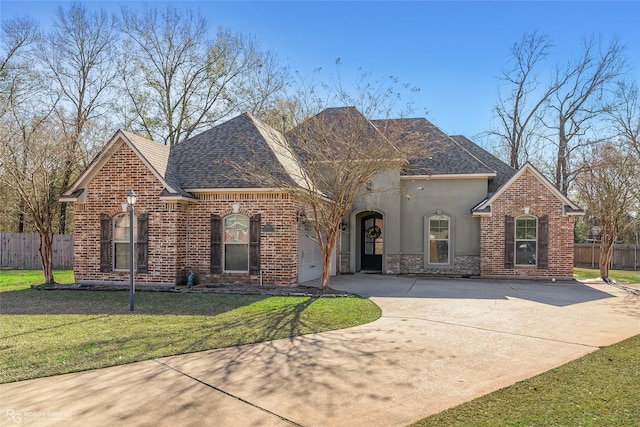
(503, 171)
(155, 156)
(568, 207)
(209, 160)
(337, 127)
(443, 155)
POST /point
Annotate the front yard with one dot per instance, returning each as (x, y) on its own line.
(53, 332)
(47, 333)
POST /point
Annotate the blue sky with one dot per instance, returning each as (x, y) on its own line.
(453, 51)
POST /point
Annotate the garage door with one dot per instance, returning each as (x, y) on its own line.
(310, 260)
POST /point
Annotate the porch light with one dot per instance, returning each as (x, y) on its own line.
(131, 200)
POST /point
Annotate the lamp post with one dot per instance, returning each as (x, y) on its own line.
(131, 200)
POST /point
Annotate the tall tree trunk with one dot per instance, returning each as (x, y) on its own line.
(561, 165)
(327, 252)
(46, 256)
(21, 207)
(63, 217)
(68, 170)
(607, 240)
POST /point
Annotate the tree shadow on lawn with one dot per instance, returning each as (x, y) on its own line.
(30, 301)
(86, 335)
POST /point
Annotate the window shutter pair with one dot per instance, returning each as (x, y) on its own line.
(510, 238)
(142, 244)
(215, 264)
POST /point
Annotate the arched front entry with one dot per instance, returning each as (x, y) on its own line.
(371, 241)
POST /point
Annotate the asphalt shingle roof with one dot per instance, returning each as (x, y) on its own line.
(442, 154)
(210, 159)
(503, 171)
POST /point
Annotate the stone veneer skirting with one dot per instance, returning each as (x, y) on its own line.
(467, 265)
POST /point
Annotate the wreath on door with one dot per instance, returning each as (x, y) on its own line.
(373, 232)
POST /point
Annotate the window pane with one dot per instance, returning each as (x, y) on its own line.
(236, 257)
(236, 229)
(525, 252)
(439, 252)
(438, 239)
(368, 248)
(121, 256)
(526, 228)
(121, 228)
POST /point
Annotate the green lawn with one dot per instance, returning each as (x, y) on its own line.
(620, 276)
(54, 332)
(600, 389)
(20, 279)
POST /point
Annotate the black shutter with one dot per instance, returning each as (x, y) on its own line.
(543, 242)
(509, 241)
(142, 245)
(254, 244)
(105, 243)
(215, 264)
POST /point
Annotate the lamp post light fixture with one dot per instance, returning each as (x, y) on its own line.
(131, 200)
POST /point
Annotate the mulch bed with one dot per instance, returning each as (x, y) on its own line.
(238, 289)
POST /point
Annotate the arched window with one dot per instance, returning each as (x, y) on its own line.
(526, 240)
(121, 241)
(236, 243)
(438, 233)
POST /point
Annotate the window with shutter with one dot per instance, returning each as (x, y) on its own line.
(105, 243)
(215, 264)
(142, 244)
(121, 241)
(254, 246)
(543, 242)
(526, 240)
(235, 251)
(509, 236)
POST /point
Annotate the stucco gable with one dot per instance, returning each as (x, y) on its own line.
(569, 208)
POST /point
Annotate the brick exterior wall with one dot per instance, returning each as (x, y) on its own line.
(105, 194)
(278, 249)
(527, 191)
(179, 232)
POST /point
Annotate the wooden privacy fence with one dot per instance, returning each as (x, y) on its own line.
(20, 250)
(625, 256)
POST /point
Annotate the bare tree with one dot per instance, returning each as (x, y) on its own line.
(518, 112)
(178, 80)
(582, 95)
(608, 186)
(30, 159)
(332, 153)
(18, 36)
(79, 53)
(626, 115)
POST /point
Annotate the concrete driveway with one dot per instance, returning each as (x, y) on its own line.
(439, 343)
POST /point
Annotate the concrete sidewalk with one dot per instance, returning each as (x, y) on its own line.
(439, 343)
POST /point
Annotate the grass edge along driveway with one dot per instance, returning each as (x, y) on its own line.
(599, 389)
(46, 333)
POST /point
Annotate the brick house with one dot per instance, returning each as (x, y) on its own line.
(457, 211)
